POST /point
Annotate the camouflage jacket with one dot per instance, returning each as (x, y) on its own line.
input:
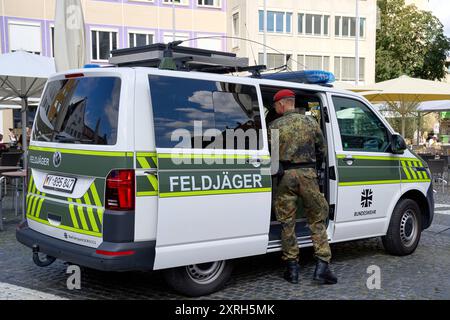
(300, 138)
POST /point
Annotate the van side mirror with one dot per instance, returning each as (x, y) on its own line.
(398, 144)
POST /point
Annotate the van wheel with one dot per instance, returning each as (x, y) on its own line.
(199, 279)
(404, 230)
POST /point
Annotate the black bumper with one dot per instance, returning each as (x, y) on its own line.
(142, 259)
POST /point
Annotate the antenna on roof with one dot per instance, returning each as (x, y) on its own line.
(167, 62)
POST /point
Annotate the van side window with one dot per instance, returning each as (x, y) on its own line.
(200, 114)
(361, 129)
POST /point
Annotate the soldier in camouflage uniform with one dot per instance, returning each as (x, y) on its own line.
(301, 146)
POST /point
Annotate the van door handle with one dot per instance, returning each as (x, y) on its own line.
(349, 160)
(153, 173)
(255, 162)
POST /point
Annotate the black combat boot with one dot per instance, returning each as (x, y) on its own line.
(323, 274)
(291, 274)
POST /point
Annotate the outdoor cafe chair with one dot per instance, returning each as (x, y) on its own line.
(10, 159)
(439, 169)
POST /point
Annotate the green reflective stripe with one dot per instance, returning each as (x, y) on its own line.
(84, 152)
(91, 213)
(147, 193)
(154, 181)
(212, 192)
(81, 215)
(144, 163)
(41, 201)
(146, 154)
(94, 192)
(405, 169)
(86, 232)
(73, 216)
(419, 173)
(342, 156)
(30, 184)
(34, 203)
(100, 215)
(413, 181)
(97, 202)
(362, 183)
(414, 176)
(29, 199)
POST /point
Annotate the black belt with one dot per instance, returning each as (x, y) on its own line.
(291, 166)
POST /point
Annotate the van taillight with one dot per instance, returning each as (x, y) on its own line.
(120, 193)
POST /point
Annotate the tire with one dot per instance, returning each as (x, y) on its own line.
(405, 229)
(201, 279)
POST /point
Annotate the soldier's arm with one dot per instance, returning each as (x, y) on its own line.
(320, 146)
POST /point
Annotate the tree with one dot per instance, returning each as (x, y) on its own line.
(409, 42)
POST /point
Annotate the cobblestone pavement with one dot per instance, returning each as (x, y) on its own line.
(423, 275)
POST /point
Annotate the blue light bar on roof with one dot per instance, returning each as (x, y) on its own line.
(92, 66)
(307, 76)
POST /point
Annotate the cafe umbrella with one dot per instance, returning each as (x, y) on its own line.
(405, 94)
(22, 78)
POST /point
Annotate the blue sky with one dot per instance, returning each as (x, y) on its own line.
(441, 9)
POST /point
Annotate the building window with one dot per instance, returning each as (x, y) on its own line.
(346, 26)
(25, 36)
(344, 68)
(313, 24)
(209, 3)
(313, 62)
(103, 42)
(214, 44)
(169, 37)
(275, 60)
(278, 22)
(236, 30)
(137, 39)
(178, 2)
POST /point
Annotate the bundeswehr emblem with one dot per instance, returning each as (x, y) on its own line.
(366, 198)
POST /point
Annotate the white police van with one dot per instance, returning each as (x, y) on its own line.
(141, 168)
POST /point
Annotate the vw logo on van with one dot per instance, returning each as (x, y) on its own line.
(57, 159)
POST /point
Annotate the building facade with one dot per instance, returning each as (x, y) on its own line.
(114, 24)
(111, 24)
(307, 34)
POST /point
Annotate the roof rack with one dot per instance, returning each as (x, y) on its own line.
(184, 58)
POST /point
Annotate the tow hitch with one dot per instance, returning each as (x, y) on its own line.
(48, 260)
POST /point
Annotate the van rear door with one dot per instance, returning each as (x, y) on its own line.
(76, 143)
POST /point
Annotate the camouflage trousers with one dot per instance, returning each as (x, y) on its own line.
(302, 183)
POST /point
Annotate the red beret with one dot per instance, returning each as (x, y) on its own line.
(283, 94)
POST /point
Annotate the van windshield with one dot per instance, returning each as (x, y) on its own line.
(79, 111)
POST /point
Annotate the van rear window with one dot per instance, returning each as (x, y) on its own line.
(79, 111)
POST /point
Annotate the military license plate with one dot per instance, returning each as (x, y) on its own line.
(59, 183)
